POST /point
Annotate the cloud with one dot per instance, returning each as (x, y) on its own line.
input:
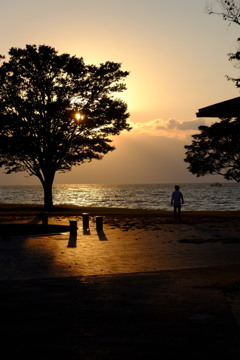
(169, 128)
(185, 125)
(141, 158)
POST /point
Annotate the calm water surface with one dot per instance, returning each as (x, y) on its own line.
(134, 196)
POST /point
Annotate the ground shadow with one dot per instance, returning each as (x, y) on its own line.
(36, 220)
(117, 317)
(19, 258)
(101, 235)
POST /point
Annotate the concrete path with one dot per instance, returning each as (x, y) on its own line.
(115, 295)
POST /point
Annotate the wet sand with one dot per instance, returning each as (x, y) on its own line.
(143, 287)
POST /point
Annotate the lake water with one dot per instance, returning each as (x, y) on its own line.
(134, 196)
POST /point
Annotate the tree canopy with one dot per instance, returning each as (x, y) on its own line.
(216, 150)
(57, 112)
(228, 9)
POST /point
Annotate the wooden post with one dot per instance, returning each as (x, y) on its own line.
(99, 223)
(73, 227)
(45, 218)
(85, 217)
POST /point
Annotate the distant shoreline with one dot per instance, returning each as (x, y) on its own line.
(198, 197)
(19, 210)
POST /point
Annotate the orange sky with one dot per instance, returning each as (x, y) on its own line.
(177, 57)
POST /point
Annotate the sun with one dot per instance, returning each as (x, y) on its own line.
(78, 116)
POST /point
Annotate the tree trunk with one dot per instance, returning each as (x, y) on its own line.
(48, 198)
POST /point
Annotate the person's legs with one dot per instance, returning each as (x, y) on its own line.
(175, 212)
(179, 212)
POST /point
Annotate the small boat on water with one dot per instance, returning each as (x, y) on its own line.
(217, 184)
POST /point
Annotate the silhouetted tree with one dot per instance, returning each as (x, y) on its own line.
(216, 150)
(56, 112)
(235, 58)
(228, 9)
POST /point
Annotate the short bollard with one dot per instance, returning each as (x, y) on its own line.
(73, 227)
(85, 217)
(99, 223)
(45, 218)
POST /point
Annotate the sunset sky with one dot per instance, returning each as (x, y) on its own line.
(177, 58)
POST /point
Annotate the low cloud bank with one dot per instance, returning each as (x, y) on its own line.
(169, 128)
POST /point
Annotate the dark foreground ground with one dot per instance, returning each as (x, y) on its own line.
(159, 315)
(61, 311)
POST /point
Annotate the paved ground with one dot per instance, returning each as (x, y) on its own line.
(153, 294)
(117, 251)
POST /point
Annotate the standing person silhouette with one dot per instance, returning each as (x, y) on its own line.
(177, 200)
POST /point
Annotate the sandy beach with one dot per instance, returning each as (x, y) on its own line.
(143, 287)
